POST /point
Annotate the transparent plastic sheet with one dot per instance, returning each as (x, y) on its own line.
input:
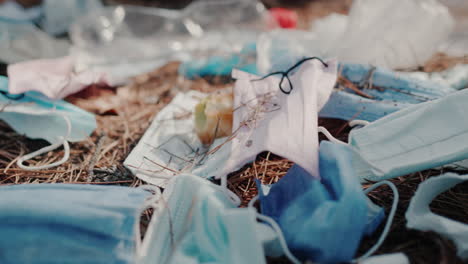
(24, 41)
(141, 35)
(457, 44)
(390, 34)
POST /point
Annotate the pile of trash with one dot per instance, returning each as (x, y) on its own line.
(226, 132)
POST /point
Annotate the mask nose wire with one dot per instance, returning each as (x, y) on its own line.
(278, 231)
(63, 141)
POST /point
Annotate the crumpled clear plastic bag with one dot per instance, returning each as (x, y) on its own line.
(24, 41)
(391, 34)
(126, 34)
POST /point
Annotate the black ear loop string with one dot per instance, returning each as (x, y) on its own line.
(285, 74)
(8, 96)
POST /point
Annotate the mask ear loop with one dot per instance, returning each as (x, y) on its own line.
(63, 141)
(231, 195)
(151, 203)
(391, 215)
(358, 122)
(278, 231)
(331, 138)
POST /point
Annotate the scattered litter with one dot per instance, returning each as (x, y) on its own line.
(98, 224)
(417, 138)
(198, 204)
(266, 117)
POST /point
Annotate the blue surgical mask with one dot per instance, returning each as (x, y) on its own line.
(37, 117)
(70, 223)
(420, 217)
(417, 138)
(198, 223)
(390, 91)
(319, 216)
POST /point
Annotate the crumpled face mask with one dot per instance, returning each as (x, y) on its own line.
(55, 78)
(37, 117)
(280, 115)
(420, 137)
(70, 223)
(198, 223)
(319, 216)
(419, 215)
(386, 92)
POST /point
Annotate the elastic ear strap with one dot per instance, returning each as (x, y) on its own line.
(152, 203)
(358, 122)
(391, 215)
(231, 195)
(277, 229)
(329, 136)
(52, 147)
(283, 244)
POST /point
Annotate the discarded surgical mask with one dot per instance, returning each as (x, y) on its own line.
(171, 146)
(54, 78)
(381, 91)
(348, 106)
(37, 117)
(416, 138)
(419, 216)
(280, 115)
(385, 92)
(70, 223)
(24, 41)
(275, 203)
(317, 216)
(198, 223)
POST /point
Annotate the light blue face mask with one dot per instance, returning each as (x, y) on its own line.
(318, 217)
(390, 90)
(37, 117)
(417, 138)
(198, 223)
(65, 223)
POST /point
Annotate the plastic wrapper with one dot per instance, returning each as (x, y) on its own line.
(408, 36)
(127, 35)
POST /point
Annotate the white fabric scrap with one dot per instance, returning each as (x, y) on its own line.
(170, 145)
(266, 119)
